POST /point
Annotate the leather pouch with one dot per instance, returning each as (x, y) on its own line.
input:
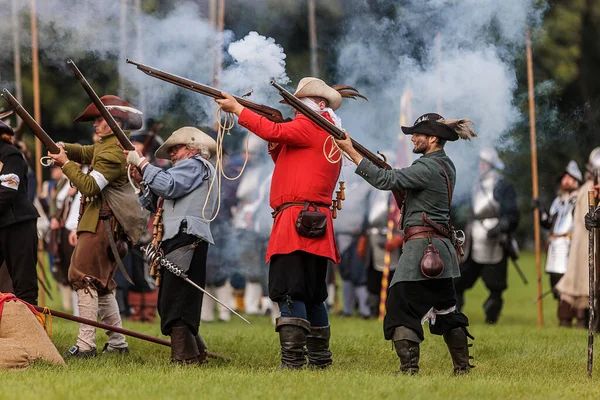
(311, 224)
(432, 265)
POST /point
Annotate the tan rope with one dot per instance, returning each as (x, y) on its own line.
(226, 123)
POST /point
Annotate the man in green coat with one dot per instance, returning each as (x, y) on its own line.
(107, 198)
(416, 294)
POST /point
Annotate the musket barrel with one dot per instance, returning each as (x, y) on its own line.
(30, 122)
(116, 129)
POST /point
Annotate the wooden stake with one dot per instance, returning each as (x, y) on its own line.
(16, 28)
(122, 47)
(312, 37)
(37, 115)
(219, 43)
(534, 182)
(592, 286)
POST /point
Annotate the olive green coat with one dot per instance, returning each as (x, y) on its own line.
(105, 157)
(427, 192)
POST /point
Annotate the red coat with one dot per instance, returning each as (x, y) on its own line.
(302, 173)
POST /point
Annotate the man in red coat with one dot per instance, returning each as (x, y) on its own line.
(307, 166)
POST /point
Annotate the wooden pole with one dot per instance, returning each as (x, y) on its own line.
(140, 52)
(438, 71)
(219, 43)
(312, 35)
(394, 213)
(534, 174)
(592, 287)
(37, 115)
(16, 29)
(122, 47)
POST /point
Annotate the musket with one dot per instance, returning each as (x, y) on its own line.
(112, 328)
(30, 122)
(271, 114)
(110, 120)
(337, 133)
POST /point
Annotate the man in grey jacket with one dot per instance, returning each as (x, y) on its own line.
(416, 296)
(179, 196)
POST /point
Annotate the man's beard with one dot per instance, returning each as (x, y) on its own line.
(418, 149)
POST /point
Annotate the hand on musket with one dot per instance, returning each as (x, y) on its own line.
(348, 148)
(59, 158)
(229, 104)
(136, 159)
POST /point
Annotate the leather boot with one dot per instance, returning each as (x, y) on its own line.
(492, 308)
(135, 302)
(184, 348)
(456, 340)
(565, 314)
(317, 344)
(406, 343)
(292, 337)
(150, 300)
(202, 349)
(581, 314)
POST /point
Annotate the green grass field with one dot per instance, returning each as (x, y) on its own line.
(514, 359)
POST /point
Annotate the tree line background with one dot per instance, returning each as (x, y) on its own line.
(566, 56)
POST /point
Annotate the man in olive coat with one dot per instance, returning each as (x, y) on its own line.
(415, 295)
(105, 199)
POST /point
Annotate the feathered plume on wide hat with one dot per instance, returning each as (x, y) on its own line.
(432, 124)
(315, 87)
(118, 108)
(186, 135)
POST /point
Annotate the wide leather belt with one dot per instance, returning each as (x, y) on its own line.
(421, 232)
(283, 206)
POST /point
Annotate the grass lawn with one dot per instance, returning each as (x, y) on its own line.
(514, 359)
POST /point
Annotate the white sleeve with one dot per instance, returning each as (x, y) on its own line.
(71, 222)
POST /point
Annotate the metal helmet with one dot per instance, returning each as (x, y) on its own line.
(594, 161)
(573, 170)
(490, 156)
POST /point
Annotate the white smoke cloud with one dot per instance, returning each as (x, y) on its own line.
(467, 72)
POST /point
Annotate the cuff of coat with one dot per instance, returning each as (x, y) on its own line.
(69, 169)
(365, 168)
(150, 172)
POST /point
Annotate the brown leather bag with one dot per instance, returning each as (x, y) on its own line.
(432, 265)
(311, 224)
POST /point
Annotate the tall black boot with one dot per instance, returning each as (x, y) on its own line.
(406, 343)
(492, 308)
(317, 344)
(292, 337)
(456, 340)
(184, 348)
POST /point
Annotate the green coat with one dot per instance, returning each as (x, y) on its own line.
(427, 192)
(105, 157)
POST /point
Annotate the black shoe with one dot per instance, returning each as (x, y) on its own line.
(76, 353)
(111, 350)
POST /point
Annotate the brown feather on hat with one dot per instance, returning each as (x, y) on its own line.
(118, 108)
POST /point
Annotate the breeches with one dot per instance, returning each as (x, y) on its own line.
(18, 247)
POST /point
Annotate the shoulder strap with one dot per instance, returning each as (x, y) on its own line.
(447, 183)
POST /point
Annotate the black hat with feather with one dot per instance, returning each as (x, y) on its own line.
(432, 124)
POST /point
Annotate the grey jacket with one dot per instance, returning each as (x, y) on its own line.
(184, 188)
(427, 192)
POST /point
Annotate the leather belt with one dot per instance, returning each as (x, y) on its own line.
(283, 206)
(421, 232)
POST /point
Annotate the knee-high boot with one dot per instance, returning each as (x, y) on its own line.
(456, 340)
(292, 338)
(406, 343)
(317, 344)
(184, 345)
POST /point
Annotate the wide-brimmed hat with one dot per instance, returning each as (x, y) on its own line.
(5, 128)
(186, 135)
(433, 124)
(315, 87)
(118, 108)
(593, 163)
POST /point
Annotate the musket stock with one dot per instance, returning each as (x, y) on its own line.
(30, 122)
(115, 128)
(270, 113)
(337, 134)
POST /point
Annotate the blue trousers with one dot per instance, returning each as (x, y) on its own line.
(316, 314)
